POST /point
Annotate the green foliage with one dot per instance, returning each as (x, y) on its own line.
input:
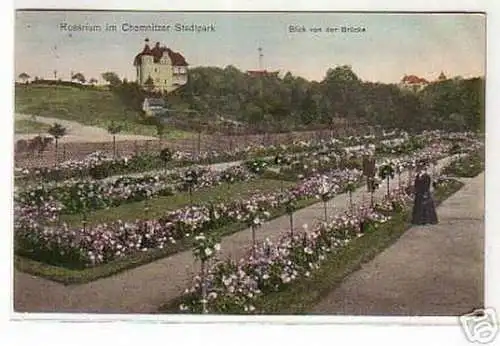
(98, 172)
(24, 76)
(166, 155)
(57, 131)
(256, 166)
(112, 78)
(455, 104)
(386, 171)
(78, 77)
(292, 102)
(467, 167)
(270, 103)
(160, 129)
(114, 128)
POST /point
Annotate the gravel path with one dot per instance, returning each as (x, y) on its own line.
(78, 132)
(431, 270)
(144, 289)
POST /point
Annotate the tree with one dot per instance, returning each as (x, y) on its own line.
(149, 84)
(342, 73)
(166, 156)
(160, 131)
(39, 144)
(131, 94)
(93, 81)
(340, 99)
(57, 131)
(114, 129)
(24, 77)
(79, 77)
(112, 78)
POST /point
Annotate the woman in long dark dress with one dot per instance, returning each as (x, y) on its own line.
(424, 210)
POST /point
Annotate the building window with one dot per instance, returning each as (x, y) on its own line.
(156, 70)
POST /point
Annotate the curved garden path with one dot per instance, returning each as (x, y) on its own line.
(430, 270)
(145, 288)
(78, 132)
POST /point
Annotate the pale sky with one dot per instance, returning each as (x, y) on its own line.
(391, 46)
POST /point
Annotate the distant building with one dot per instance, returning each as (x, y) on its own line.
(413, 83)
(160, 69)
(154, 107)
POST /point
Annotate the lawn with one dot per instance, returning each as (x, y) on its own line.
(94, 107)
(30, 126)
(160, 205)
(468, 166)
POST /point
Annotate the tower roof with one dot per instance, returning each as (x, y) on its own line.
(157, 52)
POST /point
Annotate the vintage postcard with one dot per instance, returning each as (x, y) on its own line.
(250, 163)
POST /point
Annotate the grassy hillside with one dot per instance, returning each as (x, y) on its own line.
(29, 126)
(89, 106)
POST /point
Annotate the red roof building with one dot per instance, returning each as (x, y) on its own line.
(417, 83)
(413, 82)
(160, 68)
(412, 79)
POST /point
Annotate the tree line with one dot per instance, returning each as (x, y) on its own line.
(292, 102)
(268, 102)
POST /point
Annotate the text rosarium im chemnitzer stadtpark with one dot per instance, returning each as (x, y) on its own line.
(134, 27)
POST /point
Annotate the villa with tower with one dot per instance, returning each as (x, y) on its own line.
(160, 69)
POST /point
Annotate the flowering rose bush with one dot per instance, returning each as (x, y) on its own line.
(102, 243)
(76, 196)
(327, 188)
(441, 181)
(99, 165)
(40, 236)
(235, 287)
(256, 166)
(469, 165)
(205, 247)
(317, 162)
(403, 147)
(386, 171)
